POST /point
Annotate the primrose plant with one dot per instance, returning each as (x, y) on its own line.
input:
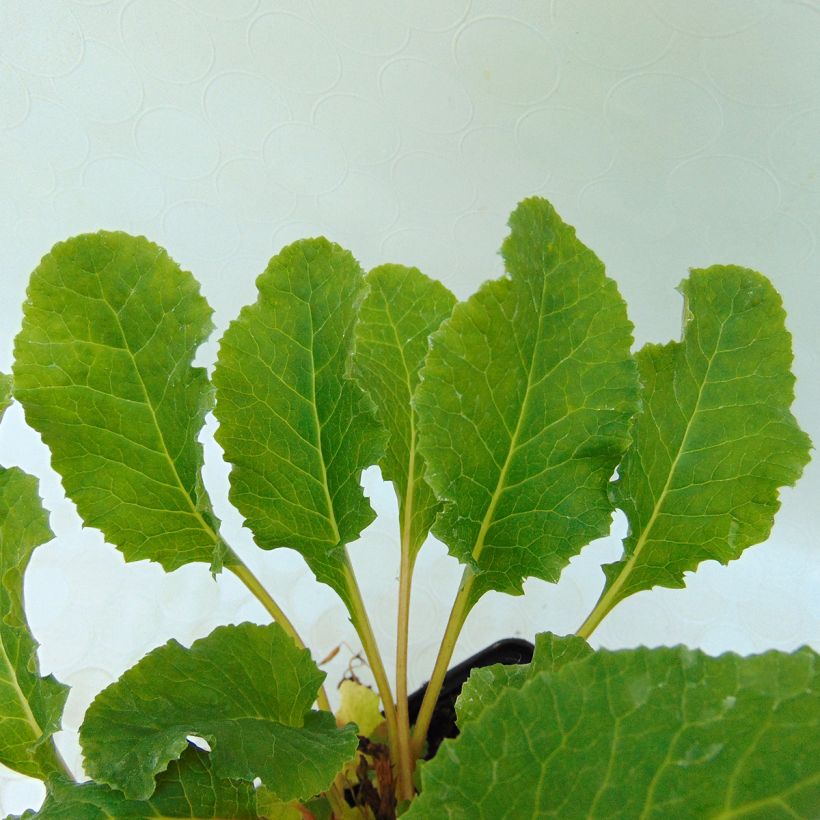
(500, 421)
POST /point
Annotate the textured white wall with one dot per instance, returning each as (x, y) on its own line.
(670, 133)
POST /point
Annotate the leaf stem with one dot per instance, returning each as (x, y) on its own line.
(599, 612)
(407, 759)
(254, 585)
(458, 614)
(405, 749)
(60, 760)
(361, 622)
(336, 797)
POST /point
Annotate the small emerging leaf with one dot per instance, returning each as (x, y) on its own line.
(297, 431)
(715, 439)
(247, 690)
(359, 704)
(640, 733)
(524, 404)
(187, 789)
(401, 310)
(30, 706)
(103, 371)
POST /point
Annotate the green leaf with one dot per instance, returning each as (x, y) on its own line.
(486, 683)
(5, 393)
(640, 734)
(30, 706)
(297, 431)
(715, 438)
(402, 308)
(188, 788)
(103, 371)
(524, 406)
(271, 807)
(247, 690)
(359, 704)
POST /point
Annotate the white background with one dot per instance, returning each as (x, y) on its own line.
(672, 134)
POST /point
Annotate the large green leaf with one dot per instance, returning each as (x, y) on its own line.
(524, 405)
(247, 690)
(188, 788)
(640, 734)
(297, 431)
(715, 438)
(103, 370)
(402, 308)
(30, 706)
(486, 683)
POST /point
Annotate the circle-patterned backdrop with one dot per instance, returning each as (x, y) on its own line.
(671, 134)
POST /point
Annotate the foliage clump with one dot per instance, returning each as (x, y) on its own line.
(500, 421)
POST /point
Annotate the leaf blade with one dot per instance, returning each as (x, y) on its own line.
(524, 406)
(295, 429)
(639, 733)
(5, 392)
(402, 308)
(103, 371)
(188, 788)
(716, 437)
(31, 706)
(486, 683)
(246, 689)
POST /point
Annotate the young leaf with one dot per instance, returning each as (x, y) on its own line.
(640, 733)
(295, 429)
(188, 788)
(103, 370)
(30, 706)
(486, 683)
(524, 405)
(715, 438)
(402, 308)
(359, 704)
(247, 690)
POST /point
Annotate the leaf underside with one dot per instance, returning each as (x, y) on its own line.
(30, 706)
(524, 404)
(715, 438)
(247, 690)
(402, 308)
(296, 430)
(103, 371)
(188, 788)
(639, 734)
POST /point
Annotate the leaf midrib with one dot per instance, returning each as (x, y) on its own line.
(407, 511)
(164, 451)
(513, 446)
(612, 592)
(23, 700)
(331, 516)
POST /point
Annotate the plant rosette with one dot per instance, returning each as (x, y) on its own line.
(500, 421)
